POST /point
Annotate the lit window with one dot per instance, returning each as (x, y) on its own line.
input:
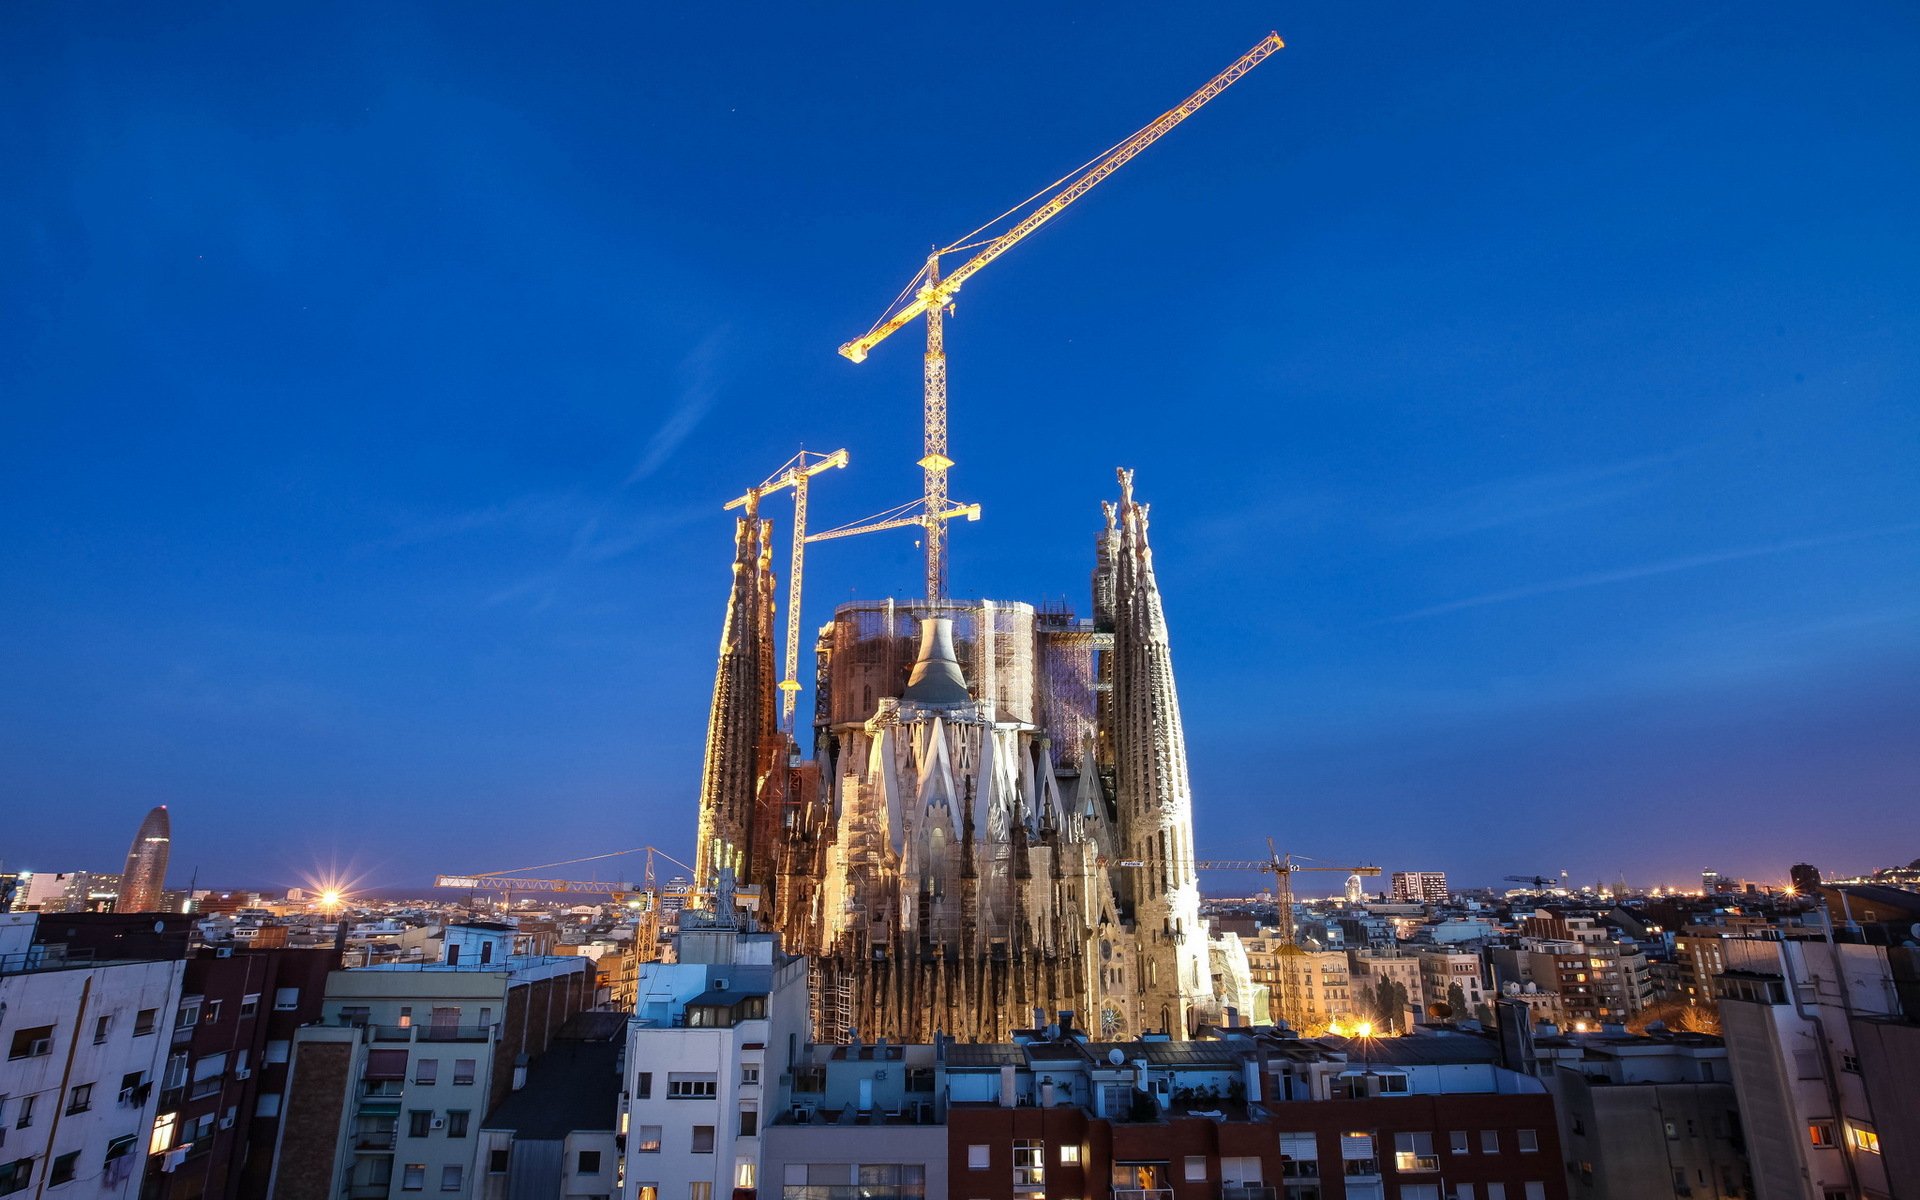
(649, 1140)
(1820, 1133)
(743, 1173)
(1070, 1155)
(1029, 1165)
(162, 1140)
(1414, 1152)
(1863, 1137)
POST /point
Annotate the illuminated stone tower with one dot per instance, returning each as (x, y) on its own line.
(1152, 795)
(145, 878)
(740, 726)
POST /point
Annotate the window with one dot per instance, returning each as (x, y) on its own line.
(1462, 1191)
(646, 1191)
(1457, 1142)
(1536, 1190)
(749, 1122)
(144, 1021)
(700, 1189)
(1414, 1152)
(643, 1089)
(1849, 1061)
(463, 1069)
(210, 1012)
(1489, 1141)
(1864, 1137)
(648, 1141)
(1195, 1168)
(1030, 1165)
(413, 1177)
(450, 1177)
(15, 1176)
(743, 1173)
(188, 1014)
(457, 1122)
(1419, 1191)
(703, 1139)
(79, 1098)
(426, 1070)
(1070, 1155)
(497, 1161)
(682, 1085)
(1820, 1133)
(101, 1028)
(162, 1139)
(419, 1122)
(749, 1074)
(1496, 1191)
(25, 1119)
(267, 1104)
(277, 1052)
(32, 1043)
(406, 1016)
(250, 1004)
(62, 1170)
(977, 1157)
(1299, 1153)
(589, 1162)
(286, 999)
(1530, 1141)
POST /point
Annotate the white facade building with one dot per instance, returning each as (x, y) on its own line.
(86, 1043)
(710, 1039)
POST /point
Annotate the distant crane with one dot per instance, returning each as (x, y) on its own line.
(1539, 883)
(930, 294)
(646, 892)
(794, 473)
(1282, 868)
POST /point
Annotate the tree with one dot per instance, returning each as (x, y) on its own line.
(1457, 1001)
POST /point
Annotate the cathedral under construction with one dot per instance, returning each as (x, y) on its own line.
(995, 818)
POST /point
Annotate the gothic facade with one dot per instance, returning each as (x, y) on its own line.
(995, 823)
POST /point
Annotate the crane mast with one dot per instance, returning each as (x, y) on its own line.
(935, 296)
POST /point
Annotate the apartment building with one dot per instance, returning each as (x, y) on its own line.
(557, 1134)
(1317, 980)
(385, 1097)
(1647, 1117)
(1442, 972)
(714, 1037)
(1819, 1041)
(86, 1037)
(1419, 887)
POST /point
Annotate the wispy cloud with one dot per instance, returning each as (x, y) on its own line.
(697, 391)
(1646, 570)
(1531, 497)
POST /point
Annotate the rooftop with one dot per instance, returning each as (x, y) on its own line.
(573, 1087)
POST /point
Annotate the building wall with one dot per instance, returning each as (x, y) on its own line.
(1889, 1053)
(320, 1077)
(1648, 1141)
(68, 1098)
(793, 1154)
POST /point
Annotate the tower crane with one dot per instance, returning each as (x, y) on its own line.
(930, 294)
(794, 473)
(1539, 883)
(646, 892)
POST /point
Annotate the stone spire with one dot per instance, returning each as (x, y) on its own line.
(741, 720)
(1153, 794)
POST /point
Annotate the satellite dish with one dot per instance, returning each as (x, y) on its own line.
(1116, 1056)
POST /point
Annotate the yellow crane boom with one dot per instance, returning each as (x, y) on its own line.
(933, 294)
(794, 473)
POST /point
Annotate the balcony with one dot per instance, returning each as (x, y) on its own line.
(453, 1033)
(1143, 1194)
(1246, 1191)
(375, 1140)
(367, 1191)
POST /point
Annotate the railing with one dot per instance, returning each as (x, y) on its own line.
(1246, 1191)
(382, 1089)
(376, 1139)
(206, 1087)
(1143, 1194)
(453, 1033)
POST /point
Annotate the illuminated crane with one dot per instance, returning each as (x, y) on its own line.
(645, 895)
(794, 473)
(932, 295)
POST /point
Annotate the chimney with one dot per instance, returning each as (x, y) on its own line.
(1009, 1090)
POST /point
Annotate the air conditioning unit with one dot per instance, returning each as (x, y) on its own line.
(243, 1072)
(223, 952)
(719, 985)
(39, 1046)
(438, 1123)
(226, 1122)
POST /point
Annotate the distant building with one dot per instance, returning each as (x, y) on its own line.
(385, 1097)
(86, 1038)
(1419, 887)
(1441, 972)
(145, 878)
(1805, 877)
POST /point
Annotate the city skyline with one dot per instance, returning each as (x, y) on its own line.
(370, 513)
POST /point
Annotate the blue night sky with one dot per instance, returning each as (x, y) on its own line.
(1526, 395)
